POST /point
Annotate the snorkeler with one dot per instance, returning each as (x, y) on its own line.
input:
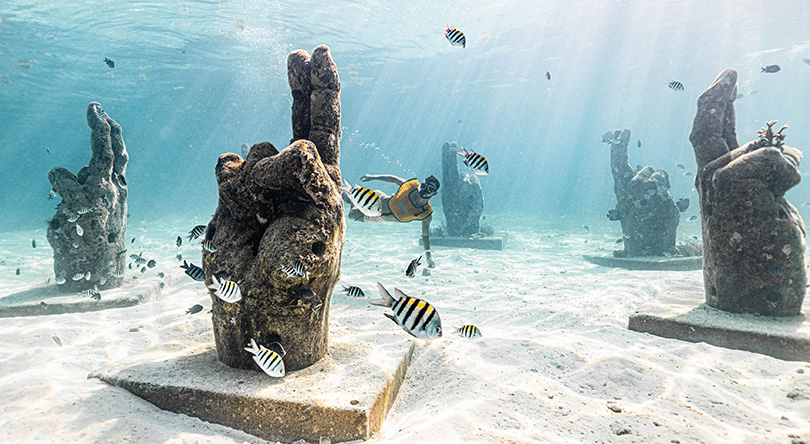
(410, 202)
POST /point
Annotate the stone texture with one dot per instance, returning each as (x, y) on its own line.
(343, 397)
(754, 239)
(681, 315)
(105, 226)
(649, 216)
(462, 197)
(660, 263)
(276, 208)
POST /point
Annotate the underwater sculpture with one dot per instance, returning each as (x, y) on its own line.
(462, 197)
(277, 211)
(648, 214)
(88, 229)
(754, 239)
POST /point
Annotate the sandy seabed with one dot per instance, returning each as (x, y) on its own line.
(556, 362)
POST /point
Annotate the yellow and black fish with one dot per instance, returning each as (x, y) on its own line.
(469, 331)
(477, 163)
(415, 316)
(270, 359)
(365, 200)
(455, 36)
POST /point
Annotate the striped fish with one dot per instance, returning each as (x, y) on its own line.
(270, 360)
(675, 85)
(296, 270)
(84, 210)
(138, 258)
(193, 271)
(119, 273)
(78, 276)
(79, 230)
(411, 270)
(417, 317)
(72, 219)
(110, 270)
(226, 290)
(196, 232)
(469, 331)
(365, 200)
(477, 163)
(455, 36)
(354, 292)
(209, 246)
(89, 292)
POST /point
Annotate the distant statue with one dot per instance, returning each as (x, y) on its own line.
(648, 214)
(462, 197)
(754, 239)
(87, 233)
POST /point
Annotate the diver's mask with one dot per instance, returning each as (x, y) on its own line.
(428, 188)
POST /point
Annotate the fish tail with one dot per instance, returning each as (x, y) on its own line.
(347, 187)
(215, 285)
(253, 347)
(385, 297)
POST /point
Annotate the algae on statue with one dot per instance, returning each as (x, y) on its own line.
(90, 244)
(754, 239)
(276, 208)
(648, 214)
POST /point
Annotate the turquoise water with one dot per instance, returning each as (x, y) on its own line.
(196, 79)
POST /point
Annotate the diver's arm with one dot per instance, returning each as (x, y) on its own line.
(383, 178)
(426, 240)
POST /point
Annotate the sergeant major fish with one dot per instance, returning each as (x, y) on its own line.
(226, 290)
(72, 219)
(675, 85)
(411, 270)
(477, 163)
(193, 271)
(209, 246)
(415, 316)
(455, 36)
(364, 199)
(296, 270)
(270, 360)
(354, 292)
(469, 331)
(196, 232)
(79, 230)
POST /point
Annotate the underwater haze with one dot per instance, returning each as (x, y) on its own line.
(196, 79)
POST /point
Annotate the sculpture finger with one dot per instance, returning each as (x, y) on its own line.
(101, 162)
(298, 76)
(713, 129)
(63, 181)
(325, 108)
(119, 149)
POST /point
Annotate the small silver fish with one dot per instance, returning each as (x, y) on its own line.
(52, 194)
(72, 219)
(78, 276)
(84, 210)
(209, 246)
(103, 280)
(87, 275)
(270, 360)
(75, 245)
(56, 339)
(89, 292)
(79, 230)
(60, 280)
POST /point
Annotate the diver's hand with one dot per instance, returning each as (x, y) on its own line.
(430, 262)
(366, 178)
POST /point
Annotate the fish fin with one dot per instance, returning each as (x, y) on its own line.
(348, 186)
(400, 295)
(276, 347)
(253, 347)
(385, 297)
(391, 317)
(215, 285)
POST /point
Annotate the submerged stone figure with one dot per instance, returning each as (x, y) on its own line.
(647, 212)
(88, 229)
(278, 228)
(754, 239)
(462, 197)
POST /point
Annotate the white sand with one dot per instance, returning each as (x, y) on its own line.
(556, 363)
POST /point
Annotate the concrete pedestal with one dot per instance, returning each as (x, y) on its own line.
(660, 263)
(48, 300)
(494, 242)
(344, 396)
(685, 316)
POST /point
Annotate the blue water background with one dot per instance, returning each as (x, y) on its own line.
(190, 84)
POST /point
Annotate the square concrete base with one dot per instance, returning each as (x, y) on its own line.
(687, 317)
(494, 242)
(48, 300)
(647, 262)
(343, 397)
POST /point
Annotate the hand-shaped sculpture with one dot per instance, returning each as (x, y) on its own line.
(647, 211)
(277, 209)
(753, 239)
(97, 196)
(462, 196)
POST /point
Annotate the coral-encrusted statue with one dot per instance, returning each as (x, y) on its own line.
(753, 239)
(278, 210)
